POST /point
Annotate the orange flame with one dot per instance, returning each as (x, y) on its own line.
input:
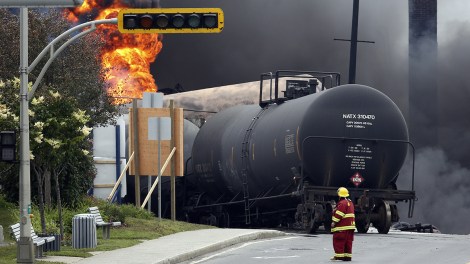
(125, 58)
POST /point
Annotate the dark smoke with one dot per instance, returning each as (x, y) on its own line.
(266, 35)
(140, 3)
(259, 36)
(443, 177)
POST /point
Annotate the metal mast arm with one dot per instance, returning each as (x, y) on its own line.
(54, 54)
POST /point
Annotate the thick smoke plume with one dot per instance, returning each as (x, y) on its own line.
(442, 174)
(442, 187)
(267, 35)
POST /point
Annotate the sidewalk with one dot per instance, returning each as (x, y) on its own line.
(173, 248)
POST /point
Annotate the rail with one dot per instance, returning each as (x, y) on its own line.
(252, 200)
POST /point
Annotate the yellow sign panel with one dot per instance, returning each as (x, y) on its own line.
(171, 20)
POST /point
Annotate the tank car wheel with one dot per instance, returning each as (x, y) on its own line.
(328, 213)
(312, 228)
(384, 218)
(362, 226)
(224, 220)
(312, 225)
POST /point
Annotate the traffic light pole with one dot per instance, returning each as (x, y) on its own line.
(25, 253)
(25, 245)
(25, 250)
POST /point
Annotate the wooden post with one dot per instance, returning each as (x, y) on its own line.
(110, 197)
(135, 131)
(173, 163)
(157, 181)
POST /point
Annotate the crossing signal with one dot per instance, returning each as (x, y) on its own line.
(171, 20)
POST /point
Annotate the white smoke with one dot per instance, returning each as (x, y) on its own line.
(442, 188)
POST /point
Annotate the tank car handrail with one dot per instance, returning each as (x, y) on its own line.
(291, 73)
(263, 75)
(294, 73)
(252, 200)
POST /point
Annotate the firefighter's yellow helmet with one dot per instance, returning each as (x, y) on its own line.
(343, 192)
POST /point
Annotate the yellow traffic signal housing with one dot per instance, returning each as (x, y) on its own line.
(171, 20)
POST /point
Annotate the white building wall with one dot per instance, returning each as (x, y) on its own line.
(104, 154)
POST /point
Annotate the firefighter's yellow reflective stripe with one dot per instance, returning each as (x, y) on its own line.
(339, 255)
(348, 215)
(340, 213)
(348, 255)
(342, 228)
(335, 219)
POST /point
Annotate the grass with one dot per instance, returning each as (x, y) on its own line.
(133, 231)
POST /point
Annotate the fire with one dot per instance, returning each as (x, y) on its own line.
(125, 58)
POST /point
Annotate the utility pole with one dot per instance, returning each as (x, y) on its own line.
(354, 41)
(353, 49)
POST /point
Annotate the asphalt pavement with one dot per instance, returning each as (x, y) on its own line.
(174, 248)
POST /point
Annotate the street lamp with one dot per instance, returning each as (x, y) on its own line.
(25, 252)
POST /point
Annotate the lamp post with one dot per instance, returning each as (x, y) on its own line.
(25, 252)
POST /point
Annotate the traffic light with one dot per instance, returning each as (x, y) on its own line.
(171, 20)
(8, 146)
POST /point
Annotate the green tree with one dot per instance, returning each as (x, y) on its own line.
(59, 143)
(76, 72)
(59, 151)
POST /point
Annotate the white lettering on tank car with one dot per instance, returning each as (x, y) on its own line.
(359, 120)
(361, 116)
(349, 116)
(358, 116)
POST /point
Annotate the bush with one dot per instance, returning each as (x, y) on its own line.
(113, 212)
(8, 215)
(110, 212)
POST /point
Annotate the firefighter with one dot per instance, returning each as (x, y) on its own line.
(342, 226)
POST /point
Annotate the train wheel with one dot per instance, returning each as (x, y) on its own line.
(329, 212)
(312, 226)
(224, 220)
(384, 218)
(362, 226)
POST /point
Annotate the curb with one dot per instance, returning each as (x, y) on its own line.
(220, 245)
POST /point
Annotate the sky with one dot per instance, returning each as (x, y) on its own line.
(269, 35)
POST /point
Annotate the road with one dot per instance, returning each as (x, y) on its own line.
(395, 247)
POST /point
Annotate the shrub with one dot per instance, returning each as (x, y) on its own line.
(113, 212)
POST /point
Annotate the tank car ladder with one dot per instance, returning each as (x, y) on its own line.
(245, 165)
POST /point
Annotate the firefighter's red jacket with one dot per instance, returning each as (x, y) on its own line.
(343, 216)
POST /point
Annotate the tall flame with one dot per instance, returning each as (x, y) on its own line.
(125, 58)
